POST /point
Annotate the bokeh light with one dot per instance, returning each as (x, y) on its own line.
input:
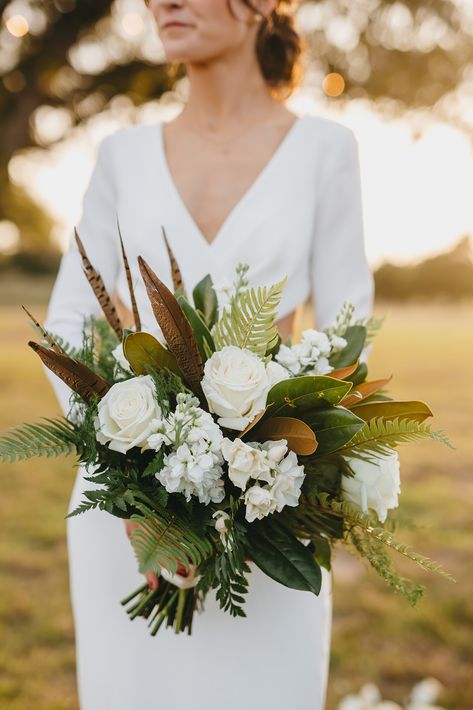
(333, 84)
(17, 25)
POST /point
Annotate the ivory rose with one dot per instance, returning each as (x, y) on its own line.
(127, 413)
(236, 383)
(375, 485)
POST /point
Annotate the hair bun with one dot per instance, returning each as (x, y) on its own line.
(279, 49)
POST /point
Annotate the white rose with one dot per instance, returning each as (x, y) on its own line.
(245, 462)
(236, 383)
(126, 414)
(259, 503)
(179, 580)
(375, 485)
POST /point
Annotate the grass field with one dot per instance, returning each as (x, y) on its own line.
(376, 635)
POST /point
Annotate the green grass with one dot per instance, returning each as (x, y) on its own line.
(376, 635)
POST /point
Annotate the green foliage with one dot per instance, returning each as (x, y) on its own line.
(333, 427)
(368, 537)
(280, 555)
(53, 437)
(205, 301)
(303, 395)
(355, 335)
(379, 436)
(202, 334)
(163, 539)
(250, 322)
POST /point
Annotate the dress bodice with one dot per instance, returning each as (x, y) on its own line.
(301, 218)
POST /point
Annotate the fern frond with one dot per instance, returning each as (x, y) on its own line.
(380, 436)
(355, 517)
(250, 321)
(52, 438)
(162, 540)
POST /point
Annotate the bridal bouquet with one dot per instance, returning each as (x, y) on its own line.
(224, 445)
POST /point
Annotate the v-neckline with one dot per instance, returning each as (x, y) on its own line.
(251, 189)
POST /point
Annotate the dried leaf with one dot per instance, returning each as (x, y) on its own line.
(54, 345)
(98, 287)
(76, 375)
(134, 306)
(344, 371)
(300, 437)
(175, 271)
(360, 392)
(175, 327)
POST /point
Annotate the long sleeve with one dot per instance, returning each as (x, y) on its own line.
(72, 297)
(339, 267)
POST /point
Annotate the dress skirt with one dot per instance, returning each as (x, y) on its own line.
(276, 658)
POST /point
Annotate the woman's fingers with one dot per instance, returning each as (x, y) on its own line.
(152, 580)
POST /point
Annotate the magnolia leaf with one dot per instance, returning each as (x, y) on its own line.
(281, 556)
(205, 300)
(365, 389)
(344, 372)
(333, 427)
(299, 395)
(418, 411)
(143, 351)
(299, 436)
(355, 335)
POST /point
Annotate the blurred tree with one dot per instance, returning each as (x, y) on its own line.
(72, 57)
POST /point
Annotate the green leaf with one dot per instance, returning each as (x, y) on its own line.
(381, 436)
(392, 409)
(323, 552)
(205, 301)
(298, 396)
(53, 437)
(355, 336)
(359, 375)
(333, 427)
(251, 321)
(201, 332)
(144, 352)
(321, 476)
(163, 539)
(283, 557)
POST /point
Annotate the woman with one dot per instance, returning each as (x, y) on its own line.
(234, 178)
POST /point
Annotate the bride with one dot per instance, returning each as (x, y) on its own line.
(236, 177)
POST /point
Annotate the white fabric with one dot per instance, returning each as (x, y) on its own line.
(302, 216)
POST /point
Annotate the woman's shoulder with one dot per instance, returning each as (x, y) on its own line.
(333, 141)
(129, 139)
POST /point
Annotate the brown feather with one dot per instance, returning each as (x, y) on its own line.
(49, 339)
(175, 327)
(175, 270)
(134, 306)
(98, 287)
(76, 375)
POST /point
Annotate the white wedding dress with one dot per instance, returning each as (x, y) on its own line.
(302, 216)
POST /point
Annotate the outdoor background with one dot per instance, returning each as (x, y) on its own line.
(400, 74)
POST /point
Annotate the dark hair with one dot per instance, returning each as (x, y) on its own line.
(279, 48)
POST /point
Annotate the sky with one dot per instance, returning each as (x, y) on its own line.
(417, 191)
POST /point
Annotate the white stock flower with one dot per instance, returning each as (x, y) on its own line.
(126, 414)
(236, 383)
(259, 502)
(374, 486)
(194, 465)
(337, 343)
(286, 488)
(288, 357)
(244, 462)
(221, 521)
(311, 355)
(224, 291)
